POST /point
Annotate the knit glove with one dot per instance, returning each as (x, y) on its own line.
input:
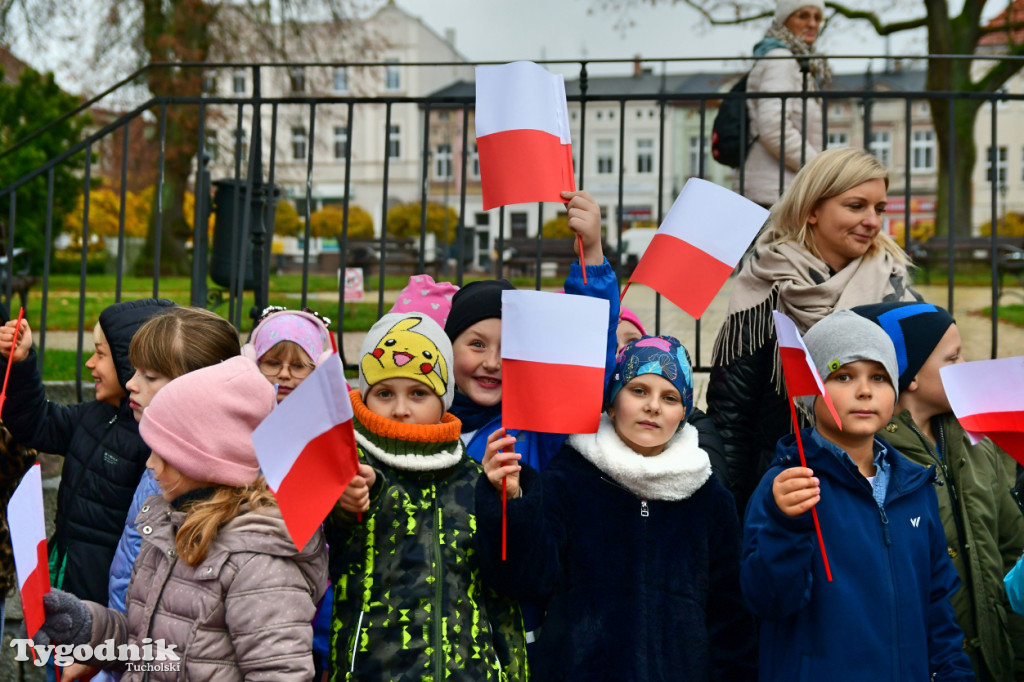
(68, 620)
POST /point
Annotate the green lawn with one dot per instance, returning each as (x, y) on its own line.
(1012, 314)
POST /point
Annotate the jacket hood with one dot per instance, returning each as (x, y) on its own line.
(119, 323)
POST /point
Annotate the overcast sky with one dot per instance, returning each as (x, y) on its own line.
(508, 30)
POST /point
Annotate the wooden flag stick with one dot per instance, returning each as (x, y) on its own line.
(814, 509)
(583, 266)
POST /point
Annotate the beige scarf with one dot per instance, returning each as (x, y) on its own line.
(789, 278)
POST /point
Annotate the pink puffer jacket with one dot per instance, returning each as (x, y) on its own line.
(243, 613)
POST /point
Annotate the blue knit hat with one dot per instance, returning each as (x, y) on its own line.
(661, 355)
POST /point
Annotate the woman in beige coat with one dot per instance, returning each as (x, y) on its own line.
(777, 130)
(218, 579)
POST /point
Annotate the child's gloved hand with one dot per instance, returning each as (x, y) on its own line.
(356, 497)
(68, 620)
(585, 220)
(24, 340)
(796, 490)
(499, 464)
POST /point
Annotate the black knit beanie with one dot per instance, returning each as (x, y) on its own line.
(474, 302)
(915, 330)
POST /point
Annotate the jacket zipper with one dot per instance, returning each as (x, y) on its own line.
(438, 589)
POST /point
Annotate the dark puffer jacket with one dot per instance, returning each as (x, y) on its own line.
(104, 456)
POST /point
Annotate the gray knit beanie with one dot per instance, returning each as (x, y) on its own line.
(843, 337)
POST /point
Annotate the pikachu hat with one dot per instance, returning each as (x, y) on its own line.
(409, 345)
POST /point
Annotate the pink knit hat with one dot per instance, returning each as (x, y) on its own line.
(201, 423)
(424, 295)
(627, 315)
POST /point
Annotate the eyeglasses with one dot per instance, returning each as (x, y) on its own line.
(272, 368)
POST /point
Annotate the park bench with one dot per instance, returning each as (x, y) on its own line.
(1009, 256)
(401, 256)
(520, 255)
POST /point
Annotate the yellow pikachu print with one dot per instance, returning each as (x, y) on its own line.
(404, 352)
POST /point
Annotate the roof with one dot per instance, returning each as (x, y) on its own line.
(1013, 14)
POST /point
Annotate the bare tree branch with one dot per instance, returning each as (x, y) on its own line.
(873, 19)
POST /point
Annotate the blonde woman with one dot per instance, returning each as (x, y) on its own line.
(823, 250)
(218, 576)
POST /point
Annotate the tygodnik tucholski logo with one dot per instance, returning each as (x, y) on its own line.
(149, 655)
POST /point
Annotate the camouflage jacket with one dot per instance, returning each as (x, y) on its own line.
(409, 603)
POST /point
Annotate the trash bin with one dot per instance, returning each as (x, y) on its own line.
(231, 240)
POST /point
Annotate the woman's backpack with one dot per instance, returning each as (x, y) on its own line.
(730, 125)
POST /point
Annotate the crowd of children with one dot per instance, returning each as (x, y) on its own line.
(626, 556)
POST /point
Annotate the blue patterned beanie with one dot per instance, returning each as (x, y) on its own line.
(661, 355)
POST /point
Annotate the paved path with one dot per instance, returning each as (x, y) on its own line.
(975, 328)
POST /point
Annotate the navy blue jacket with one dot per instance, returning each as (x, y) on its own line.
(630, 597)
(886, 615)
(104, 456)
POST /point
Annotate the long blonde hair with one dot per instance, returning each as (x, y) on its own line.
(204, 519)
(829, 174)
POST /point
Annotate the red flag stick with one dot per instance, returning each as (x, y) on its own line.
(814, 509)
(583, 266)
(14, 344)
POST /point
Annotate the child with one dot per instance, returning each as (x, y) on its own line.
(984, 529)
(288, 345)
(886, 614)
(474, 327)
(629, 329)
(104, 456)
(408, 599)
(629, 537)
(166, 347)
(218, 576)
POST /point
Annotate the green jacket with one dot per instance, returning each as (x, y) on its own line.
(985, 533)
(409, 603)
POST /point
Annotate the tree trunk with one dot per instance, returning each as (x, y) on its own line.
(964, 154)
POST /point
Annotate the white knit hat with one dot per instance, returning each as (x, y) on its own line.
(783, 8)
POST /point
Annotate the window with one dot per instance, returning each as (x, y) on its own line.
(1001, 162)
(837, 140)
(395, 142)
(881, 147)
(474, 163)
(695, 155)
(518, 220)
(297, 78)
(299, 143)
(340, 79)
(645, 156)
(922, 151)
(443, 162)
(238, 82)
(837, 110)
(392, 75)
(210, 145)
(241, 144)
(209, 84)
(340, 142)
(605, 156)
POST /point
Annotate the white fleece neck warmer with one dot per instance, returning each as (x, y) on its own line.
(675, 474)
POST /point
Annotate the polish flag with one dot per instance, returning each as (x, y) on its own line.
(986, 397)
(797, 366)
(28, 538)
(699, 244)
(522, 135)
(307, 449)
(553, 351)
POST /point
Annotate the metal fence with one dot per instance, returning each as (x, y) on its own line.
(256, 168)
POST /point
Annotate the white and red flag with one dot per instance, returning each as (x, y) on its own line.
(28, 539)
(522, 135)
(552, 340)
(307, 449)
(987, 397)
(699, 244)
(797, 365)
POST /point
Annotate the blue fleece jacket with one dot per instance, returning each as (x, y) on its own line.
(886, 615)
(129, 544)
(538, 448)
